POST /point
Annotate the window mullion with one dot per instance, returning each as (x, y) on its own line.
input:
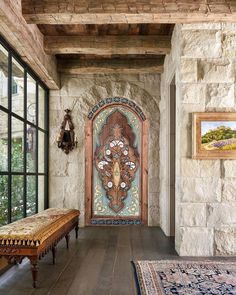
(25, 145)
(37, 144)
(9, 133)
(46, 151)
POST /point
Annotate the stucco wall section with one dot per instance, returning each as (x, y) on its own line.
(80, 94)
(204, 64)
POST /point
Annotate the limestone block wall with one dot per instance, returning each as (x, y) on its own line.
(203, 61)
(81, 93)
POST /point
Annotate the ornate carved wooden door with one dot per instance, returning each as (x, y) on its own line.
(116, 172)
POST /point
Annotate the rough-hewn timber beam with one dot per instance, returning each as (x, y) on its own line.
(127, 11)
(27, 40)
(106, 45)
(110, 66)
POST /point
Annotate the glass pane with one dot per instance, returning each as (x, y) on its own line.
(17, 88)
(31, 99)
(3, 77)
(41, 152)
(41, 180)
(3, 199)
(17, 149)
(41, 114)
(3, 141)
(31, 195)
(17, 201)
(31, 148)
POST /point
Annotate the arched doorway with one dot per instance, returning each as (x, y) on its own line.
(116, 163)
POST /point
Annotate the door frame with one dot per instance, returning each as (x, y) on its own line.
(89, 158)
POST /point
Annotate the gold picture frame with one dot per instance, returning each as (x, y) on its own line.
(214, 136)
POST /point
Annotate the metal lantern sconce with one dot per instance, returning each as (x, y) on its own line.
(67, 140)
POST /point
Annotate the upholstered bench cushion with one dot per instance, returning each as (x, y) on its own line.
(34, 230)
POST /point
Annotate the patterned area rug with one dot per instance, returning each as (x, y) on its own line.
(186, 277)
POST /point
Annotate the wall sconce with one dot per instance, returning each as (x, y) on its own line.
(67, 140)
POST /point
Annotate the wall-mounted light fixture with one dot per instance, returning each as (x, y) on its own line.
(67, 140)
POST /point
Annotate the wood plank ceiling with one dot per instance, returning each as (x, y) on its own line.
(80, 36)
(107, 36)
(108, 48)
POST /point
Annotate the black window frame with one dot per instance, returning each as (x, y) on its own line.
(27, 71)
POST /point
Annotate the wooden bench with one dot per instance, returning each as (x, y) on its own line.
(34, 236)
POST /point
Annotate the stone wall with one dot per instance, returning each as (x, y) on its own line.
(81, 93)
(203, 61)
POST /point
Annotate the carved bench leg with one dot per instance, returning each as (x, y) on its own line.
(34, 269)
(54, 254)
(76, 230)
(67, 240)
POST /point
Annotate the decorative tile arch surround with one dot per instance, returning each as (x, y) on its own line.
(119, 100)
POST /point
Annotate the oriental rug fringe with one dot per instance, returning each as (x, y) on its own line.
(167, 277)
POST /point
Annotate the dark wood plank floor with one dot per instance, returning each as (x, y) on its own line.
(99, 262)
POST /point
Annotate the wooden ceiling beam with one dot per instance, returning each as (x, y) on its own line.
(111, 66)
(108, 45)
(27, 40)
(129, 11)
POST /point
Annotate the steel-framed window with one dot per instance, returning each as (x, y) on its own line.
(23, 150)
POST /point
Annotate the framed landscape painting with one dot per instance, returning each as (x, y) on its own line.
(214, 135)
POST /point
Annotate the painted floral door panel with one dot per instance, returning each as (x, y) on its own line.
(116, 164)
